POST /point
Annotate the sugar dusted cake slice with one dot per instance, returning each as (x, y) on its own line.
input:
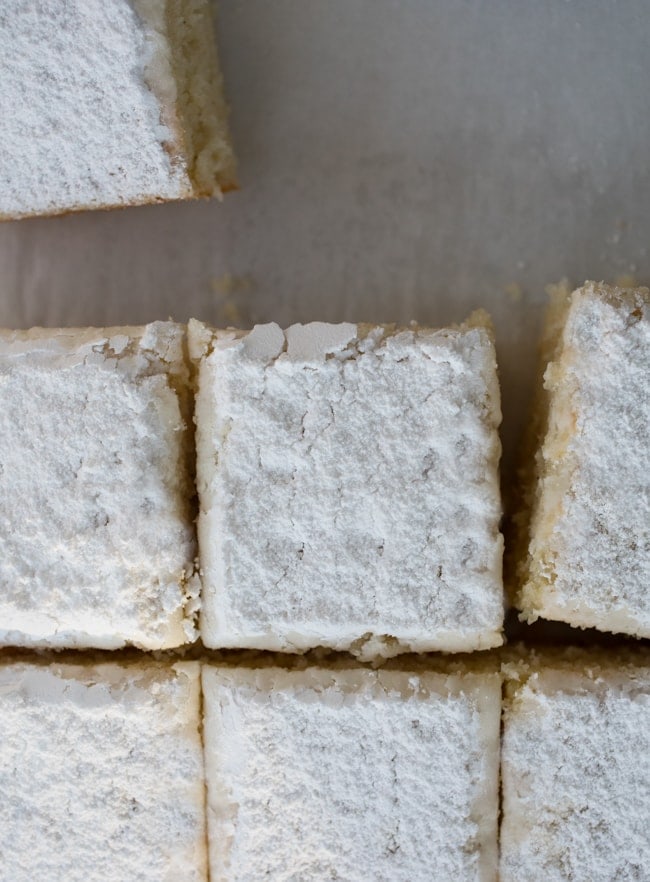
(101, 773)
(348, 483)
(576, 769)
(109, 103)
(352, 774)
(586, 558)
(97, 542)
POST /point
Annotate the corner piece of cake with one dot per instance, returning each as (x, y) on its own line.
(348, 485)
(352, 774)
(576, 768)
(101, 773)
(97, 541)
(107, 104)
(585, 559)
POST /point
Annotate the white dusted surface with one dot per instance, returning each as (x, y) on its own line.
(102, 773)
(349, 492)
(67, 139)
(588, 560)
(351, 775)
(94, 105)
(576, 772)
(398, 160)
(97, 546)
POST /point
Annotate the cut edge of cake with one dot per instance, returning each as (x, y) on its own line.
(568, 668)
(188, 82)
(526, 491)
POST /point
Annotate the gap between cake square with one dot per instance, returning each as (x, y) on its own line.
(108, 103)
(97, 540)
(348, 486)
(101, 772)
(349, 773)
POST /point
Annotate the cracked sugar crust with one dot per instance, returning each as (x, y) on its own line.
(109, 103)
(576, 772)
(101, 773)
(348, 488)
(97, 543)
(589, 554)
(351, 774)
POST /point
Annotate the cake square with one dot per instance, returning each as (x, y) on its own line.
(101, 773)
(97, 541)
(348, 486)
(109, 103)
(586, 556)
(352, 774)
(576, 769)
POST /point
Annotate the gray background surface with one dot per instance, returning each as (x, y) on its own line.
(399, 159)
